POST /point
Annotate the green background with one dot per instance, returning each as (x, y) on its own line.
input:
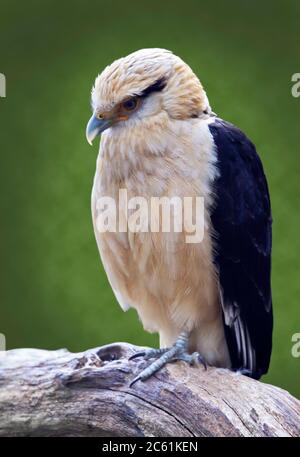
(54, 292)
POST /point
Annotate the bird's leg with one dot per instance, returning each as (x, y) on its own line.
(179, 351)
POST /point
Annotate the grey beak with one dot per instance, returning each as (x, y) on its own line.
(95, 127)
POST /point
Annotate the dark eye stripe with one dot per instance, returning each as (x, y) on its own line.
(159, 85)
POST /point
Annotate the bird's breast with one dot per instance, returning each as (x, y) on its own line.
(171, 282)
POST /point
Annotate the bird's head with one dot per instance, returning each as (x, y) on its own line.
(147, 84)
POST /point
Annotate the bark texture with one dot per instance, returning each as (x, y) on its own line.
(58, 393)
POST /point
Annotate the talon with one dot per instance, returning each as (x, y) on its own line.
(137, 354)
(179, 351)
(202, 361)
(138, 378)
(146, 373)
(192, 359)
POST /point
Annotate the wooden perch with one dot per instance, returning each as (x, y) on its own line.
(58, 393)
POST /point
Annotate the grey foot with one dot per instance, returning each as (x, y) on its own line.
(177, 352)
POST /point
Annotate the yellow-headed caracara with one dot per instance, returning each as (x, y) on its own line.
(209, 301)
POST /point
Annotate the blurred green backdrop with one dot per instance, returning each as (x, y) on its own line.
(54, 292)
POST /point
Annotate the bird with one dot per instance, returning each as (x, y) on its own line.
(210, 302)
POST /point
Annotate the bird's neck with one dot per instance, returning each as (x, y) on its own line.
(148, 156)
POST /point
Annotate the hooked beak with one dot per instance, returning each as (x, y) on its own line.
(95, 127)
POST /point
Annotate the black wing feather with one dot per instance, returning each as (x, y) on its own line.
(241, 219)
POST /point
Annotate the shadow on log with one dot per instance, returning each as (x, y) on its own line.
(58, 393)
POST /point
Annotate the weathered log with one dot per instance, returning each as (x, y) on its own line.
(58, 393)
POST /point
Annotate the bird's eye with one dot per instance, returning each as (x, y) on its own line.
(130, 104)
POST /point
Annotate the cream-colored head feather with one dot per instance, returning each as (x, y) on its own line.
(182, 97)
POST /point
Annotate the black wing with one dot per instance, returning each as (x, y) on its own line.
(241, 220)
